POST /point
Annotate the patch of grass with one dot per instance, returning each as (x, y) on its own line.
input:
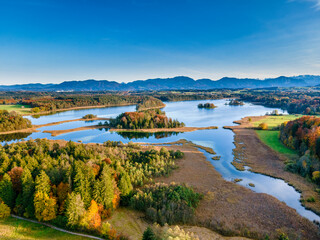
(22, 109)
(12, 228)
(128, 222)
(271, 139)
(275, 121)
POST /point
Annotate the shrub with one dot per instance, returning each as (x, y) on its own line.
(263, 126)
(4, 210)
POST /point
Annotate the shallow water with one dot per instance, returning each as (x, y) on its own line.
(221, 140)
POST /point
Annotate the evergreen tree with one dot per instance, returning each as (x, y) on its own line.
(82, 185)
(125, 185)
(7, 194)
(149, 234)
(43, 183)
(104, 189)
(28, 188)
(74, 209)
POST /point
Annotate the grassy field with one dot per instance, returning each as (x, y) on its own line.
(23, 109)
(12, 228)
(275, 121)
(271, 139)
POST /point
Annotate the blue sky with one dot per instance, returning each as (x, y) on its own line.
(124, 40)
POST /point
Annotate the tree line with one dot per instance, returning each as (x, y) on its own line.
(303, 135)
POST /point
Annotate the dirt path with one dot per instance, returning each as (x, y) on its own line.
(153, 130)
(262, 159)
(231, 209)
(56, 228)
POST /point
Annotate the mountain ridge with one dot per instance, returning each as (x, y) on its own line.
(175, 83)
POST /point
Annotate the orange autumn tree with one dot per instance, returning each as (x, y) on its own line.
(63, 190)
(15, 175)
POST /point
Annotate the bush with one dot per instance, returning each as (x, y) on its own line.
(263, 126)
(4, 210)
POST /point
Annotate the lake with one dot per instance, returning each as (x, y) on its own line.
(220, 140)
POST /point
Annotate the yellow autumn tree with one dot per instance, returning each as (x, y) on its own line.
(45, 207)
(92, 219)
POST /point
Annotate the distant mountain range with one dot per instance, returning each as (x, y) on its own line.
(176, 83)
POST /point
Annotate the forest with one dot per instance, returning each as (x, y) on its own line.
(144, 120)
(78, 186)
(10, 121)
(303, 135)
(294, 101)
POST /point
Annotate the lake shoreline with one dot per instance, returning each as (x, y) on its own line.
(264, 160)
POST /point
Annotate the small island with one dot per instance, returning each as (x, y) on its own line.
(235, 102)
(207, 105)
(144, 120)
(89, 116)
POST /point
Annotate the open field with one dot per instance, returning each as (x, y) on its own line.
(12, 229)
(271, 139)
(22, 109)
(275, 121)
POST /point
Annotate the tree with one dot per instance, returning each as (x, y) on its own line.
(7, 194)
(125, 185)
(28, 188)
(63, 190)
(82, 185)
(148, 234)
(43, 183)
(45, 207)
(4, 210)
(104, 189)
(92, 219)
(15, 175)
(74, 209)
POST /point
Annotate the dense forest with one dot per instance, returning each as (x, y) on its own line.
(149, 103)
(10, 121)
(207, 105)
(77, 186)
(303, 135)
(144, 120)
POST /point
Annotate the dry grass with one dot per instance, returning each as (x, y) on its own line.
(232, 209)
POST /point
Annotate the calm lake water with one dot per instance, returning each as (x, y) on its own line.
(221, 140)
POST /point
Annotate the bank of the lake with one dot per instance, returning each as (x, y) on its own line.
(231, 209)
(253, 152)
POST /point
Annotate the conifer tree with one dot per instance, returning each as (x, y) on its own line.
(7, 194)
(104, 189)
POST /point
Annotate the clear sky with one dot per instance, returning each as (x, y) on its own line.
(124, 40)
